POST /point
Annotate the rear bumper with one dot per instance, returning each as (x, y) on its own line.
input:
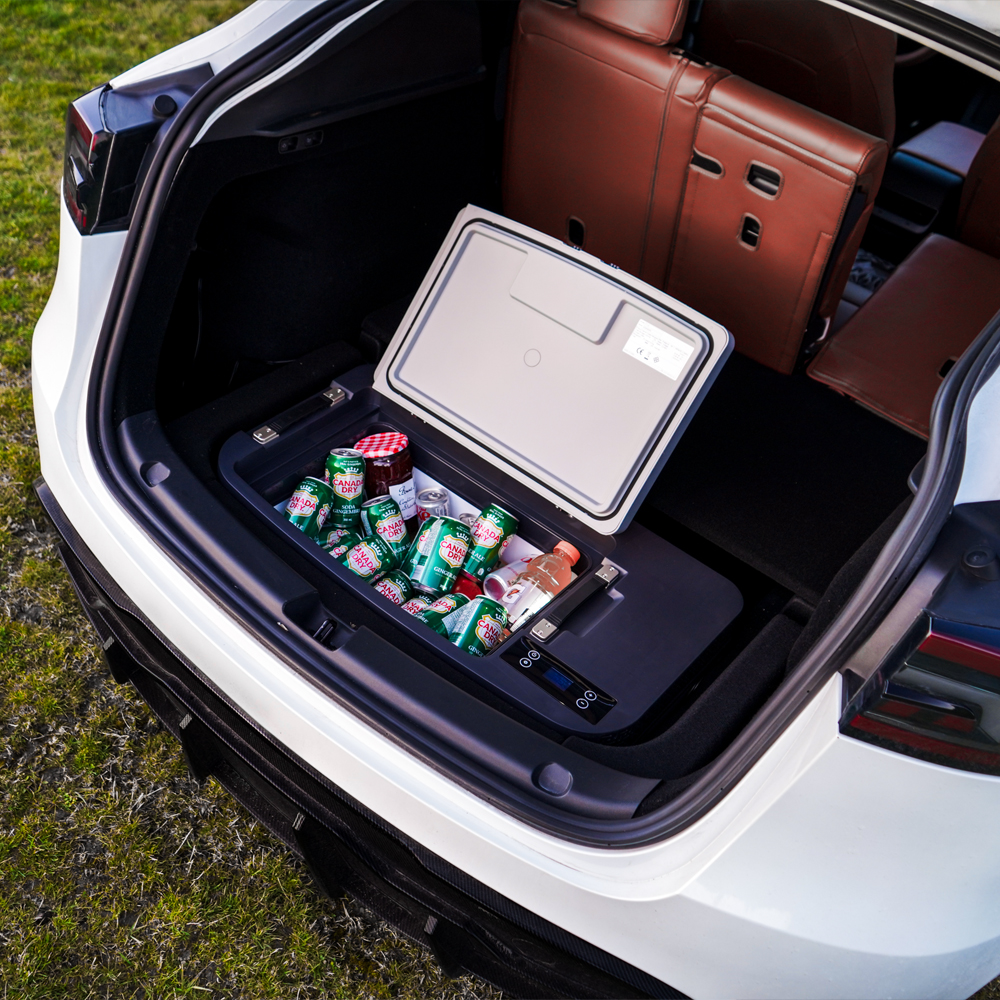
(468, 926)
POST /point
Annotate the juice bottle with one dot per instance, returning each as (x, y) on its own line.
(545, 576)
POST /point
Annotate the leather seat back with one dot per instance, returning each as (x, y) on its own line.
(590, 92)
(810, 52)
(979, 210)
(602, 123)
(771, 185)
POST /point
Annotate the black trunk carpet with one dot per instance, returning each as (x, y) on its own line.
(785, 474)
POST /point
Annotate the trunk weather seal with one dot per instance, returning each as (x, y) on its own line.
(892, 571)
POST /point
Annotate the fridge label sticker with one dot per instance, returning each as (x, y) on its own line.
(658, 349)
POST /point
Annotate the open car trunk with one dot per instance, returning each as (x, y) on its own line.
(295, 237)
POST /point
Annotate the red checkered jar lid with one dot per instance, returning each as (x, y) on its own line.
(382, 445)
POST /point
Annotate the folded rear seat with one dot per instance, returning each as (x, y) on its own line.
(776, 203)
(893, 353)
(591, 92)
(744, 204)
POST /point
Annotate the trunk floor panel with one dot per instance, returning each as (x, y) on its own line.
(785, 474)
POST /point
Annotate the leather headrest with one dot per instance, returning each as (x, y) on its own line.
(655, 22)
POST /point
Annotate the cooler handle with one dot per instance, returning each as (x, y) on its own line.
(603, 577)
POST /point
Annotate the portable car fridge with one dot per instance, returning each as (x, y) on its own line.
(530, 374)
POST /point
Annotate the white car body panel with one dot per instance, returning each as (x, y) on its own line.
(223, 44)
(817, 875)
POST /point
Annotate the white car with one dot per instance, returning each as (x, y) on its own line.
(752, 747)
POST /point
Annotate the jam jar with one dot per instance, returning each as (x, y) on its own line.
(389, 471)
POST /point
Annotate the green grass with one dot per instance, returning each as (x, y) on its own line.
(119, 876)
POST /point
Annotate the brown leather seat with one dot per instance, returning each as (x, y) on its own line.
(894, 351)
(602, 124)
(979, 209)
(798, 180)
(590, 92)
(809, 52)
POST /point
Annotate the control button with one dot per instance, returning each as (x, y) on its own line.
(590, 696)
(582, 703)
(534, 654)
(524, 661)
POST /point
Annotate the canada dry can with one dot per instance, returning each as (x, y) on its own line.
(477, 627)
(490, 534)
(436, 555)
(310, 505)
(395, 586)
(345, 542)
(432, 502)
(416, 604)
(329, 535)
(345, 472)
(382, 516)
(438, 610)
(370, 558)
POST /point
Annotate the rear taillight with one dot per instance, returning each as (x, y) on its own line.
(108, 138)
(941, 702)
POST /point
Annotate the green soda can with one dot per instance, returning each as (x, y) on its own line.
(346, 541)
(416, 604)
(310, 505)
(345, 472)
(330, 535)
(382, 516)
(370, 558)
(436, 555)
(395, 586)
(477, 627)
(435, 613)
(491, 532)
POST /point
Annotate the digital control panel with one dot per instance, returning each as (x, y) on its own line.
(561, 682)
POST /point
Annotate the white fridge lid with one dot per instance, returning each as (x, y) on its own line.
(568, 374)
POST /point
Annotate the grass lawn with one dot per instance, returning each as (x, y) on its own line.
(120, 877)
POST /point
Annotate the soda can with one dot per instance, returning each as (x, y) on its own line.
(495, 584)
(310, 505)
(478, 626)
(416, 604)
(432, 502)
(370, 558)
(435, 613)
(345, 472)
(330, 535)
(468, 519)
(345, 542)
(382, 516)
(395, 586)
(493, 529)
(436, 555)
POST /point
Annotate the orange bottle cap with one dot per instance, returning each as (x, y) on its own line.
(571, 551)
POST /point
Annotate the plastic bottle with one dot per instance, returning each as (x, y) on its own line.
(545, 577)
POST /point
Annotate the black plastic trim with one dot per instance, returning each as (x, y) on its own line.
(469, 926)
(885, 582)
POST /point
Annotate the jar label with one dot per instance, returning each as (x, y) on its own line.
(405, 494)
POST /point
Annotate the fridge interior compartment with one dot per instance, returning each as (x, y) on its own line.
(613, 657)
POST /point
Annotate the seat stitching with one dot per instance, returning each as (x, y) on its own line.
(601, 62)
(780, 140)
(664, 118)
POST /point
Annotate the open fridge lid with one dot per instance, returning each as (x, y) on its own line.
(568, 374)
